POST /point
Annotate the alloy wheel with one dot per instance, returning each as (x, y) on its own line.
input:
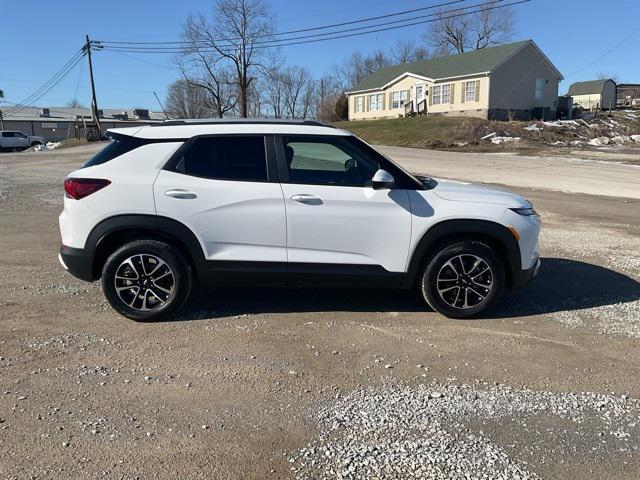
(145, 282)
(465, 281)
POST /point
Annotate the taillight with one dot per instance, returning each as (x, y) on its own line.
(78, 188)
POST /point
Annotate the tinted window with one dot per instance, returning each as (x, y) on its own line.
(322, 161)
(7, 134)
(239, 158)
(116, 147)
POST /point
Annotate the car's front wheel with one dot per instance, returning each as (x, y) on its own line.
(463, 279)
(146, 280)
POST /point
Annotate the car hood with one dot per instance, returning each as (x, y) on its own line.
(469, 192)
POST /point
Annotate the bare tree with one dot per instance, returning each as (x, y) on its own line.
(605, 76)
(233, 38)
(406, 51)
(376, 61)
(480, 29)
(186, 99)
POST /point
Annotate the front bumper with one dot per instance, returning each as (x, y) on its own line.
(525, 276)
(77, 263)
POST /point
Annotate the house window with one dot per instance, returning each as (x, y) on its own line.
(540, 82)
(376, 102)
(359, 104)
(470, 92)
(399, 98)
(441, 94)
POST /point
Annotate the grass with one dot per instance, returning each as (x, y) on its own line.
(420, 132)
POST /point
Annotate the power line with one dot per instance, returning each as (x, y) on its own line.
(48, 85)
(332, 35)
(316, 35)
(303, 30)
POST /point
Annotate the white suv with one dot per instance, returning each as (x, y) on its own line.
(276, 203)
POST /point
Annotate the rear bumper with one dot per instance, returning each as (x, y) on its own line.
(525, 276)
(77, 262)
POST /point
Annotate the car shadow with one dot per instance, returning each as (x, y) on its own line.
(561, 285)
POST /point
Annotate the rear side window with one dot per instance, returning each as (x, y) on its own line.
(240, 158)
(120, 145)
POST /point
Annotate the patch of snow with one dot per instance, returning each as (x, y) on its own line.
(635, 138)
(499, 140)
(47, 146)
(533, 128)
(561, 123)
(599, 141)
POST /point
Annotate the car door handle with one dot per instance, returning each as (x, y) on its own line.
(307, 199)
(181, 194)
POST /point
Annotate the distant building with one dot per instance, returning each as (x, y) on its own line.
(629, 95)
(59, 123)
(514, 80)
(594, 94)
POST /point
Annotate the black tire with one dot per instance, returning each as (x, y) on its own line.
(149, 250)
(33, 144)
(463, 254)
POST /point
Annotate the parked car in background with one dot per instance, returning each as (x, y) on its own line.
(13, 140)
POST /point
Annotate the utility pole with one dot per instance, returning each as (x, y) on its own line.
(1, 119)
(94, 102)
(163, 110)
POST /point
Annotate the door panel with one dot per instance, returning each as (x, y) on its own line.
(234, 221)
(348, 225)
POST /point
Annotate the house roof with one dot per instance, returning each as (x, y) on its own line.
(587, 88)
(468, 63)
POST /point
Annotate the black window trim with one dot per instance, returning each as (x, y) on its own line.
(269, 151)
(402, 179)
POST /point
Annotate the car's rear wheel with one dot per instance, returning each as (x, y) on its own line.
(463, 279)
(146, 280)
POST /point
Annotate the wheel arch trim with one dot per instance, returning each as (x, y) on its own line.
(460, 227)
(168, 228)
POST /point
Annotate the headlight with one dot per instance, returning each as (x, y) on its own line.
(526, 211)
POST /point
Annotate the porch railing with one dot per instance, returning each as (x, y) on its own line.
(408, 108)
(422, 107)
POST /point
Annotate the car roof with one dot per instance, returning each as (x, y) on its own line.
(180, 129)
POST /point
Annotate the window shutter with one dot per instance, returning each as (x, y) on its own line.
(428, 93)
(477, 90)
(366, 103)
(452, 93)
(384, 101)
(462, 93)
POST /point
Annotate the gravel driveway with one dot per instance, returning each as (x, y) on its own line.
(274, 383)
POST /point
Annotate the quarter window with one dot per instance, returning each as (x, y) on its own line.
(376, 102)
(335, 161)
(399, 98)
(240, 158)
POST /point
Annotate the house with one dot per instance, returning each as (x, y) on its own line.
(594, 94)
(628, 95)
(514, 80)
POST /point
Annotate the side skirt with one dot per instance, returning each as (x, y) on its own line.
(275, 274)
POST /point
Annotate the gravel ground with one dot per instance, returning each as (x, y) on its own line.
(279, 383)
(431, 431)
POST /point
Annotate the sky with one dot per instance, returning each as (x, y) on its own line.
(583, 38)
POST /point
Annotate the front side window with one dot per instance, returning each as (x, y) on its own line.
(240, 158)
(540, 88)
(359, 104)
(470, 92)
(376, 102)
(336, 161)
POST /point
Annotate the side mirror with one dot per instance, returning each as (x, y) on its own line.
(382, 179)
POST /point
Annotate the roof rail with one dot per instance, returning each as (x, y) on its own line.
(248, 121)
